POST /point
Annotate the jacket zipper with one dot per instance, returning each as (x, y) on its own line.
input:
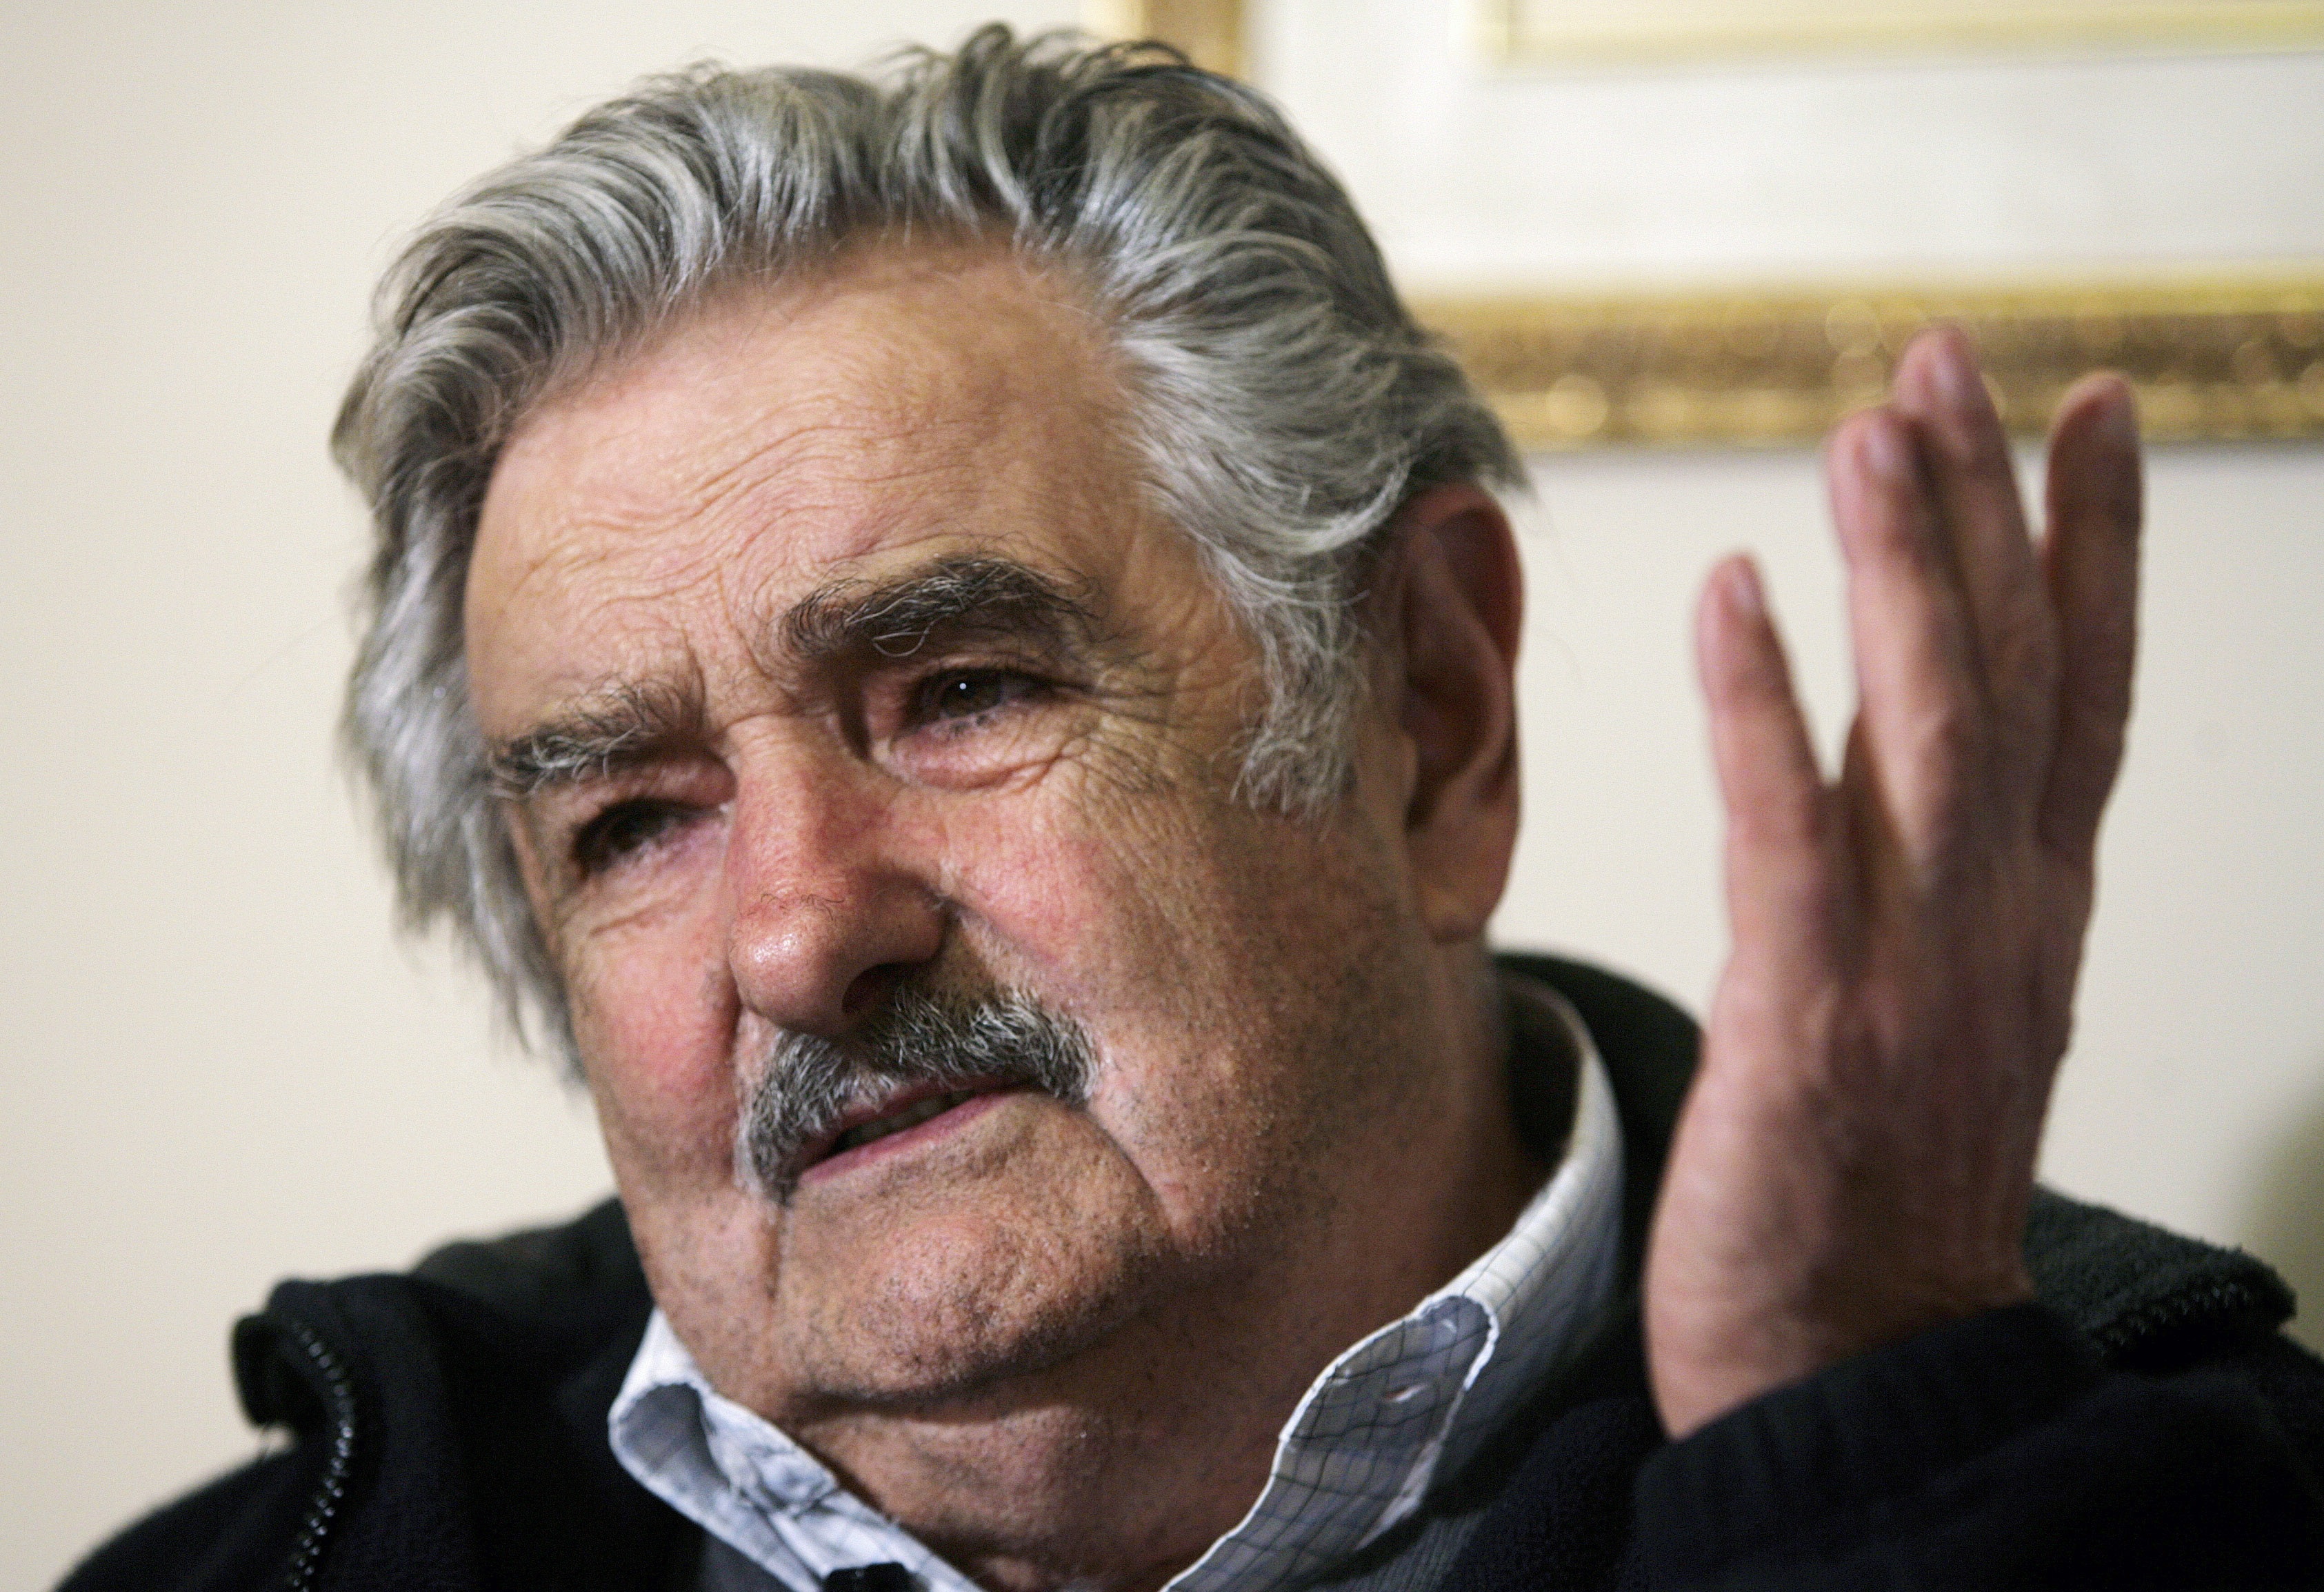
(323, 1513)
(2219, 1297)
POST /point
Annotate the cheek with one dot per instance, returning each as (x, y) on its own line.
(1157, 924)
(1083, 901)
(654, 1016)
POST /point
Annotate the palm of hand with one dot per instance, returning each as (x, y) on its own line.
(1856, 1160)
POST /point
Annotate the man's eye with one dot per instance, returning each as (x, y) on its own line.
(963, 693)
(623, 829)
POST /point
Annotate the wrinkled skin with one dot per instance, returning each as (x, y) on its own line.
(1856, 1158)
(1055, 1341)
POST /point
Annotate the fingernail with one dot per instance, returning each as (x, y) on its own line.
(1958, 378)
(1884, 448)
(1743, 589)
(2119, 417)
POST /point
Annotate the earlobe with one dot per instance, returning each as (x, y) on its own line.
(1459, 607)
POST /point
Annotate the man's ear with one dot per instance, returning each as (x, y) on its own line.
(1459, 605)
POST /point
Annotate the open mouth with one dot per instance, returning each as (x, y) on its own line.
(896, 1122)
(876, 1121)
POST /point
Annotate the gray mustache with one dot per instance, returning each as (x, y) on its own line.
(808, 1082)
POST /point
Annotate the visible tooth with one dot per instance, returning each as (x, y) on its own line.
(910, 1116)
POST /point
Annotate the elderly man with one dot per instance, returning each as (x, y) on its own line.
(953, 642)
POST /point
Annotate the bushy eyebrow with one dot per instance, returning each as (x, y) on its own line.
(957, 596)
(628, 725)
(621, 726)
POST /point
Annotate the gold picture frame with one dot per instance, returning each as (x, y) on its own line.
(2225, 359)
(1210, 32)
(1582, 32)
(2233, 356)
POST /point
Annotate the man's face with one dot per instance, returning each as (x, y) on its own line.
(849, 666)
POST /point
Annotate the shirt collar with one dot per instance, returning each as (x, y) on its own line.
(1418, 1398)
(1410, 1402)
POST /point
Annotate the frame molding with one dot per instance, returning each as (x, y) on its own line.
(1210, 32)
(2229, 358)
(1514, 32)
(2232, 356)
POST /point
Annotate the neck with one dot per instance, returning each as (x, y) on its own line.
(1114, 1469)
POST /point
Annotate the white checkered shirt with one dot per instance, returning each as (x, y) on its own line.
(1413, 1398)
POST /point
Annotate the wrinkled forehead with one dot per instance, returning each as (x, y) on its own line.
(898, 407)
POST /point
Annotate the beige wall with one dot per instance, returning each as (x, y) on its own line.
(221, 1069)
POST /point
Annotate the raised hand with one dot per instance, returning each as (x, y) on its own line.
(1855, 1162)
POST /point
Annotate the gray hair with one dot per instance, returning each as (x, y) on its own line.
(1283, 402)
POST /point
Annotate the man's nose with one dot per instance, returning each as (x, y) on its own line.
(827, 903)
